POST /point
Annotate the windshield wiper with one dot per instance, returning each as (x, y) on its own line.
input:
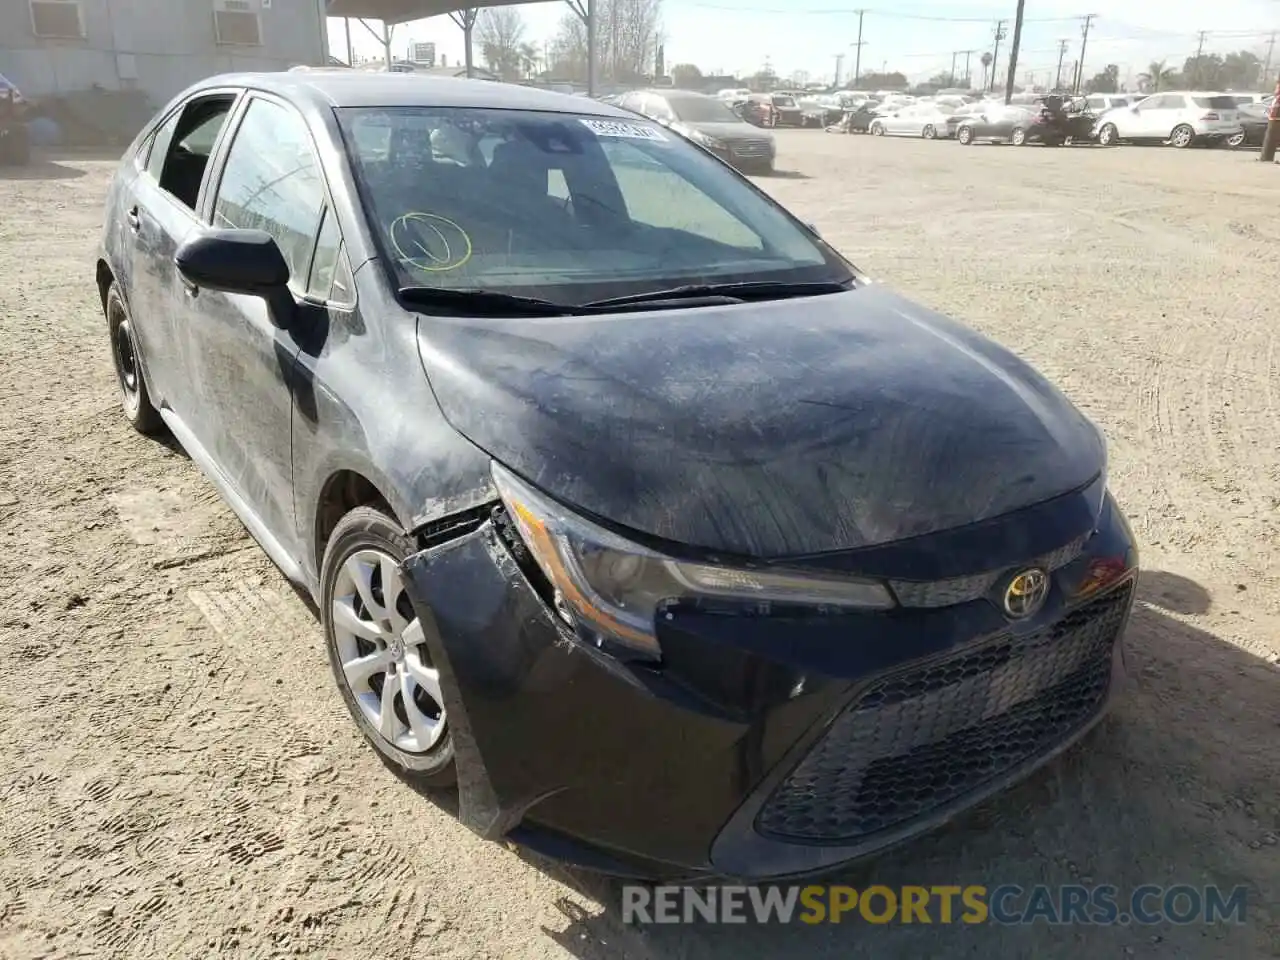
(485, 302)
(749, 290)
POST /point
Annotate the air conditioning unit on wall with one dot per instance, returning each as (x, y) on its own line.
(57, 19)
(236, 23)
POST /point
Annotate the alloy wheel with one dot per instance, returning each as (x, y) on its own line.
(1019, 137)
(1235, 140)
(929, 132)
(965, 136)
(383, 653)
(1182, 136)
(1107, 135)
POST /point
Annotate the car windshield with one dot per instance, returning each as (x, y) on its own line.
(1216, 103)
(701, 110)
(565, 207)
(783, 101)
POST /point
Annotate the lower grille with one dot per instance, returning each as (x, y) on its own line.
(750, 148)
(921, 739)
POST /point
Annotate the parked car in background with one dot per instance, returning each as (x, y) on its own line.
(734, 94)
(927, 120)
(820, 111)
(1014, 124)
(628, 506)
(1253, 126)
(858, 119)
(1180, 118)
(786, 111)
(1101, 102)
(15, 137)
(1255, 98)
(708, 122)
(757, 110)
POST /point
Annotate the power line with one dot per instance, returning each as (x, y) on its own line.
(891, 14)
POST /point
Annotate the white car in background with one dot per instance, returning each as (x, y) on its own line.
(1180, 119)
(928, 120)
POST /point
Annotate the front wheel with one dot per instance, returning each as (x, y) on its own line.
(965, 136)
(928, 132)
(1108, 135)
(1019, 137)
(378, 651)
(1182, 137)
(1235, 140)
(876, 129)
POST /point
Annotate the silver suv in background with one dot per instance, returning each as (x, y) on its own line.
(1179, 118)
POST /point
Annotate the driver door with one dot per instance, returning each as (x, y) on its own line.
(1154, 117)
(243, 361)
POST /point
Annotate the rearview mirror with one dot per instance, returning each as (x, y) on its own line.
(238, 261)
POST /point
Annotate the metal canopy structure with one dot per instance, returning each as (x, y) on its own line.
(463, 13)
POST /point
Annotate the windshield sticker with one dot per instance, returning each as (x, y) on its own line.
(620, 128)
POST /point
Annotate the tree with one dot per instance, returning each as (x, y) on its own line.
(1157, 77)
(626, 41)
(941, 81)
(500, 31)
(1108, 81)
(1013, 52)
(686, 75)
(1241, 70)
(893, 80)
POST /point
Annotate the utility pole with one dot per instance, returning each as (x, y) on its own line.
(1266, 67)
(1084, 44)
(839, 64)
(954, 54)
(1062, 52)
(1199, 53)
(857, 57)
(1012, 75)
(995, 55)
(968, 76)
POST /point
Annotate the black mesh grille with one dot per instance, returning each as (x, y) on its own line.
(920, 739)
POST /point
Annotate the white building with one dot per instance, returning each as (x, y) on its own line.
(156, 46)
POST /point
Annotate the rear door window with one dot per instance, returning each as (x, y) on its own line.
(1216, 103)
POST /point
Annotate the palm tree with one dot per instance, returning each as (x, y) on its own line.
(985, 60)
(1157, 76)
(1013, 53)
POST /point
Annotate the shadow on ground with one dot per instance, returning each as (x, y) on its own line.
(40, 168)
(1130, 805)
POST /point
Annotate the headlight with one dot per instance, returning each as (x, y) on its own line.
(610, 589)
(706, 140)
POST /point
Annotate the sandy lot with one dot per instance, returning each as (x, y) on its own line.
(178, 778)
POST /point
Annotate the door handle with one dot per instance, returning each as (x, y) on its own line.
(132, 218)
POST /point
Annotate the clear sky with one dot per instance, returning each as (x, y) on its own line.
(914, 36)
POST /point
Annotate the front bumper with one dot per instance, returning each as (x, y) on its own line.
(764, 745)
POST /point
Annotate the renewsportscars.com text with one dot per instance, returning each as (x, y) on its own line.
(1007, 904)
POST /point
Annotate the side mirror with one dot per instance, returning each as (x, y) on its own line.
(238, 261)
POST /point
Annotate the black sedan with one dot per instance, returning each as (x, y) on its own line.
(1011, 124)
(1253, 124)
(708, 122)
(628, 505)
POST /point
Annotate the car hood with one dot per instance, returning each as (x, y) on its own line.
(727, 130)
(770, 429)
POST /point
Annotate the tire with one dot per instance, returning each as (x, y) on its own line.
(365, 547)
(965, 136)
(1019, 137)
(15, 145)
(876, 129)
(1182, 136)
(1235, 140)
(135, 398)
(929, 133)
(1108, 135)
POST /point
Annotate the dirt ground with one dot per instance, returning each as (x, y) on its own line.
(178, 777)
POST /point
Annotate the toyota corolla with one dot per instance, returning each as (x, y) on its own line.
(629, 505)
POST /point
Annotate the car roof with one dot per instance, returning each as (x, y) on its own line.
(356, 88)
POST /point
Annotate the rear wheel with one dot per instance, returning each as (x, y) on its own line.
(1235, 140)
(134, 397)
(928, 132)
(1182, 136)
(965, 135)
(378, 651)
(1019, 137)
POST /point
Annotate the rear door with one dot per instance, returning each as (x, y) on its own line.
(270, 179)
(160, 214)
